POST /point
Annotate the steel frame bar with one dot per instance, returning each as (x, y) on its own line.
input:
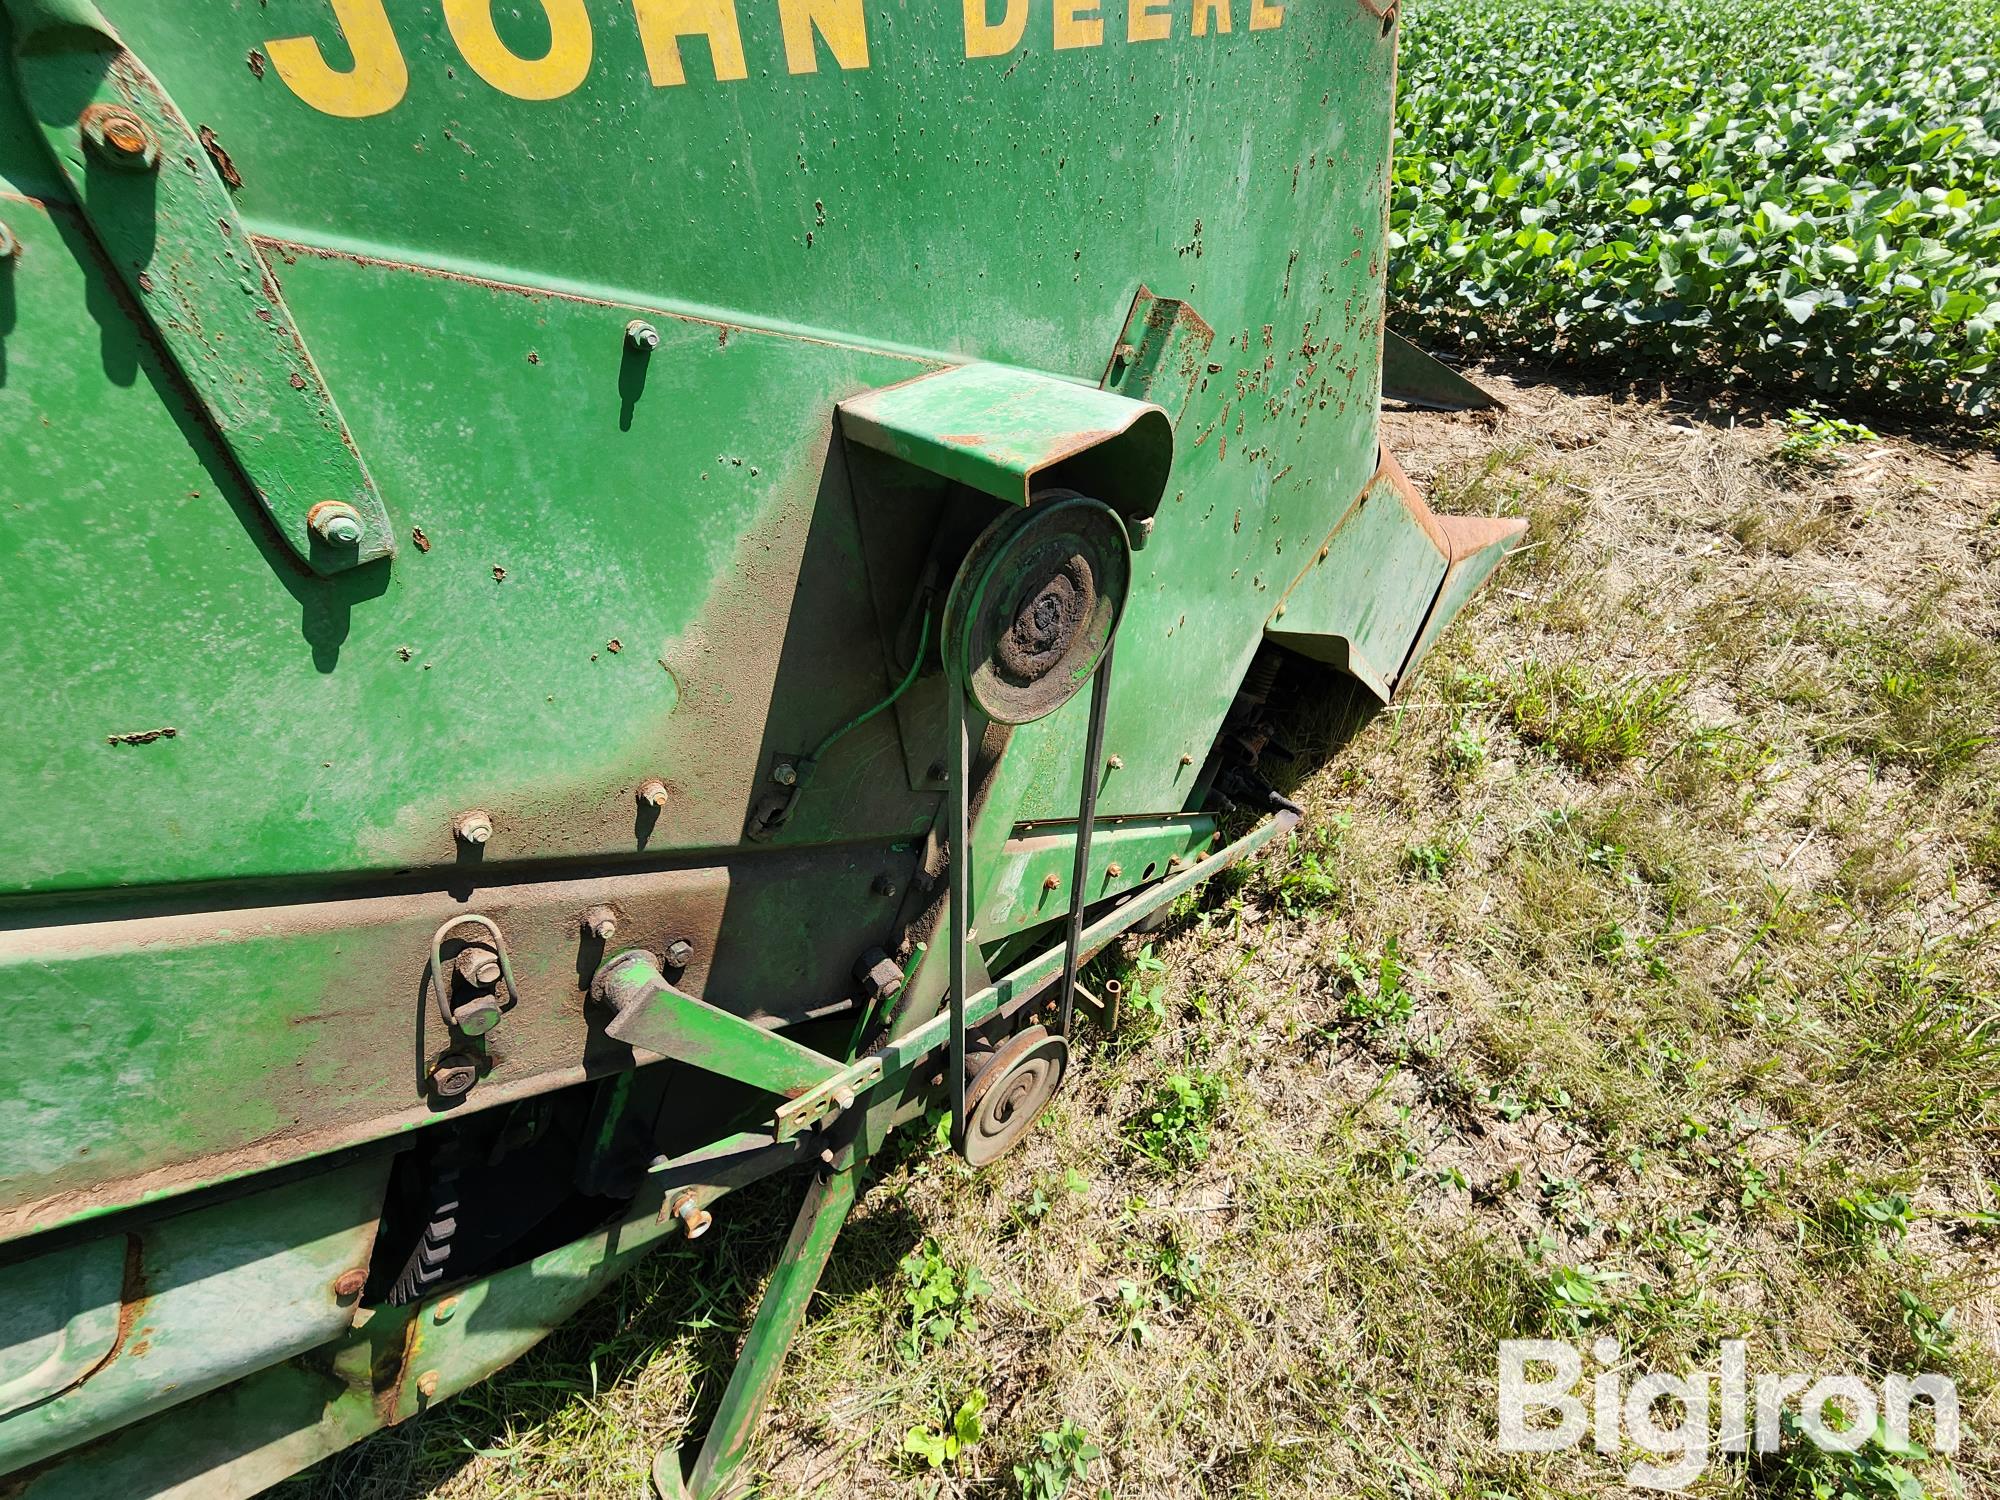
(1086, 814)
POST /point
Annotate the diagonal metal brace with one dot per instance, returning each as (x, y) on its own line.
(156, 202)
(653, 1015)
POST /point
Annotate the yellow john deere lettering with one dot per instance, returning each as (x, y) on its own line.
(380, 77)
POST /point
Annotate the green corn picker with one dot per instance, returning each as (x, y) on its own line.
(603, 599)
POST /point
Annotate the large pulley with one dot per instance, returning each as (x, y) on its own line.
(1030, 619)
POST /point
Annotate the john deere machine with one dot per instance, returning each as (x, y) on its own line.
(602, 599)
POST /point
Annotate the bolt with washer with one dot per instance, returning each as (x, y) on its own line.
(336, 523)
(785, 773)
(474, 826)
(119, 138)
(642, 335)
(478, 966)
(692, 1215)
(601, 922)
(653, 792)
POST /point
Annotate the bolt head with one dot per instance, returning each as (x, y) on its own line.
(1114, 871)
(454, 1075)
(1050, 882)
(601, 922)
(678, 953)
(119, 138)
(442, 1313)
(350, 1282)
(427, 1384)
(642, 335)
(843, 1098)
(478, 966)
(653, 792)
(785, 773)
(336, 523)
(473, 827)
(477, 1017)
(1117, 762)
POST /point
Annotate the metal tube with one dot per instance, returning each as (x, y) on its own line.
(961, 894)
(1086, 813)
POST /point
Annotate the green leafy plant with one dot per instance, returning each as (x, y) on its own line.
(1066, 1455)
(1811, 434)
(1175, 1130)
(941, 1445)
(940, 1298)
(1129, 1311)
(1767, 195)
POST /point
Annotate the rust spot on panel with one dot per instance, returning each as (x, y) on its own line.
(256, 61)
(417, 535)
(223, 165)
(142, 736)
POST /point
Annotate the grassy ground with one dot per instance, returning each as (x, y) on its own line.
(1635, 975)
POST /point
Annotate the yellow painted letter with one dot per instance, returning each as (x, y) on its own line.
(1203, 9)
(1078, 24)
(984, 40)
(662, 23)
(839, 21)
(1148, 21)
(374, 84)
(547, 77)
(1265, 17)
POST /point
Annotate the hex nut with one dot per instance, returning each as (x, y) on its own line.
(601, 922)
(474, 826)
(427, 1384)
(642, 335)
(1114, 870)
(454, 1075)
(653, 792)
(1116, 763)
(477, 1017)
(678, 953)
(785, 773)
(336, 523)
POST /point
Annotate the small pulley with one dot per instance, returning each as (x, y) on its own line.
(1014, 1087)
(1033, 606)
(1030, 619)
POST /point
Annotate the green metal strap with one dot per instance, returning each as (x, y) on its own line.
(145, 183)
(653, 1015)
(828, 1202)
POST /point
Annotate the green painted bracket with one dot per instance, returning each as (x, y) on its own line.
(1000, 430)
(653, 1015)
(1416, 379)
(152, 190)
(1160, 354)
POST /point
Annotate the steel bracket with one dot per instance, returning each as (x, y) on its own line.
(1161, 353)
(155, 200)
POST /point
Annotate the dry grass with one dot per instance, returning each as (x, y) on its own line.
(1636, 975)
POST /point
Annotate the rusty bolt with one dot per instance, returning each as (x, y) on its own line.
(454, 1075)
(1174, 861)
(882, 885)
(9, 246)
(785, 773)
(442, 1313)
(642, 335)
(678, 953)
(478, 966)
(350, 1282)
(427, 1384)
(653, 792)
(336, 523)
(1050, 882)
(1187, 760)
(474, 826)
(120, 138)
(601, 922)
(692, 1215)
(1114, 870)
(1117, 763)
